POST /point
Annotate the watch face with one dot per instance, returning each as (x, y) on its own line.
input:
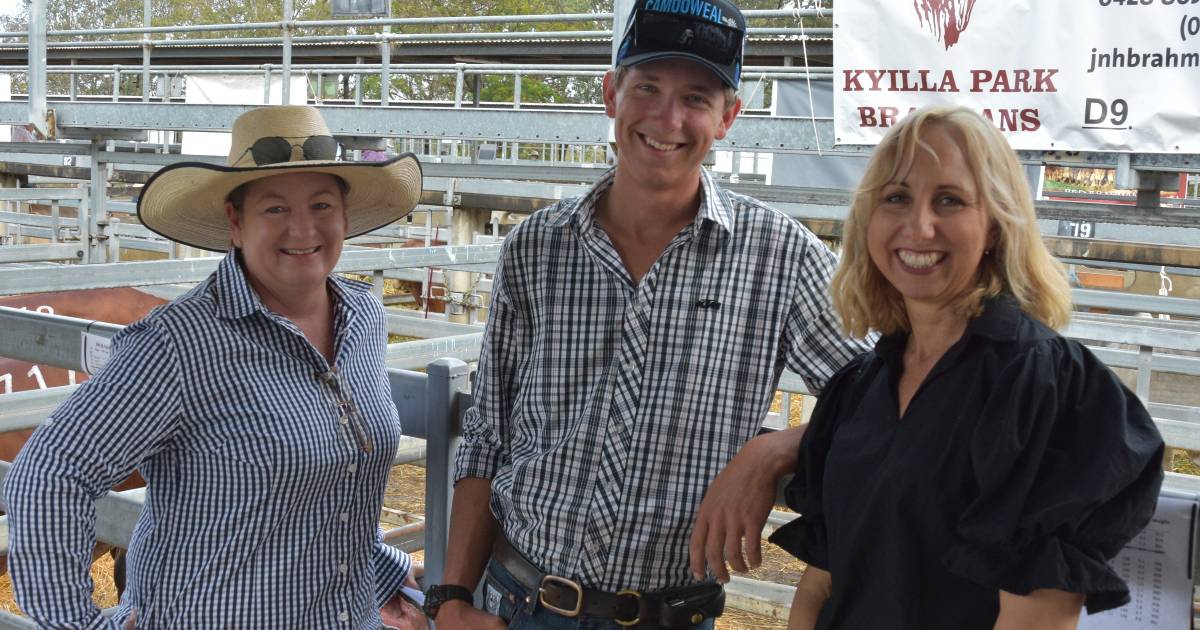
(432, 602)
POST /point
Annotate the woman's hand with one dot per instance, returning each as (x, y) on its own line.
(812, 592)
(1043, 609)
(399, 613)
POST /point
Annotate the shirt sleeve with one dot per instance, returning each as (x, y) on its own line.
(806, 537)
(391, 569)
(505, 344)
(1067, 466)
(120, 417)
(814, 345)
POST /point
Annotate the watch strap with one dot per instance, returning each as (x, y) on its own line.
(439, 594)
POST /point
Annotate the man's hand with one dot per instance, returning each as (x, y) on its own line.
(737, 503)
(459, 615)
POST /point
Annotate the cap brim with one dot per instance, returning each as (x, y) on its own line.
(185, 202)
(725, 73)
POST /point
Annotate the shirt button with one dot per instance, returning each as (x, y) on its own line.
(345, 516)
(343, 568)
(352, 468)
(343, 616)
(344, 420)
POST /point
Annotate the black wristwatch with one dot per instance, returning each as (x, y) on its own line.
(439, 594)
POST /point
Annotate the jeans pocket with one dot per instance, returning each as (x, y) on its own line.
(503, 596)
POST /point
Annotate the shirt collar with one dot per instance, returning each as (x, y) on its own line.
(998, 322)
(235, 297)
(715, 204)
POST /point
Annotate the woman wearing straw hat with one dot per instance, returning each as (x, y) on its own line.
(256, 406)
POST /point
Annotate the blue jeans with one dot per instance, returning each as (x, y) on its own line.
(505, 596)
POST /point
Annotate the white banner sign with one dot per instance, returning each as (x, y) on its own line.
(233, 90)
(1076, 75)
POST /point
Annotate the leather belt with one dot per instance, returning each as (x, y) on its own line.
(680, 607)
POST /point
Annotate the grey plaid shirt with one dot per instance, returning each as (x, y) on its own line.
(603, 408)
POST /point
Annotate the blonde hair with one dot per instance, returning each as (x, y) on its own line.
(1019, 263)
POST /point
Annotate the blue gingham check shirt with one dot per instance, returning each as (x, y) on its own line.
(262, 507)
(604, 408)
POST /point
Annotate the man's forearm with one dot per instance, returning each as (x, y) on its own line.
(781, 449)
(472, 532)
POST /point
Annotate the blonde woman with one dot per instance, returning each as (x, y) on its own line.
(976, 470)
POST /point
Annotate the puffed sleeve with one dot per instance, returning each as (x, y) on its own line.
(805, 537)
(1067, 469)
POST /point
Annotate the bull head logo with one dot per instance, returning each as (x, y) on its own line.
(946, 19)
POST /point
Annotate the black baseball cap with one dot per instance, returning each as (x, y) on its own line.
(711, 32)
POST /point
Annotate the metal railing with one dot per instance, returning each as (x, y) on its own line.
(384, 40)
(431, 407)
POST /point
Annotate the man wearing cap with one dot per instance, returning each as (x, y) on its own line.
(635, 340)
(256, 406)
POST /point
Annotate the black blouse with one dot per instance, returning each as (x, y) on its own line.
(1021, 463)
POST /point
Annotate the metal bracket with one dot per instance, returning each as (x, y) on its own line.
(102, 133)
(363, 142)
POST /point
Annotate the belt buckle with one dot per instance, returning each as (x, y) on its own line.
(568, 583)
(637, 618)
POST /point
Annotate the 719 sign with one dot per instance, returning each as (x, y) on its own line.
(1078, 229)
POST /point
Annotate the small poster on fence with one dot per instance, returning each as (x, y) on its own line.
(1157, 566)
(95, 351)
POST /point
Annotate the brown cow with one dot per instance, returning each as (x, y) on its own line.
(116, 306)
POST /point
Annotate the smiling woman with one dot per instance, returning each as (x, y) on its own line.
(258, 400)
(929, 231)
(976, 470)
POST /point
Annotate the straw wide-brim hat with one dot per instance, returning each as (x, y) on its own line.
(185, 202)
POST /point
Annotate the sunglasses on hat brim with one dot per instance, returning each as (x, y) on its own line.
(278, 149)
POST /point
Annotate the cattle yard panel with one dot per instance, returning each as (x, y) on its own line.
(58, 341)
(431, 407)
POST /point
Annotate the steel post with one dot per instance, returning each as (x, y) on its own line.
(37, 67)
(448, 379)
(458, 85)
(358, 95)
(74, 84)
(287, 54)
(465, 223)
(385, 66)
(146, 45)
(90, 233)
